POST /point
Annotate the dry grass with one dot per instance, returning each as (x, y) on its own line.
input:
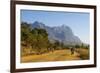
(84, 53)
(57, 55)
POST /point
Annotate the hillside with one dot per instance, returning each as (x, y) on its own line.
(62, 33)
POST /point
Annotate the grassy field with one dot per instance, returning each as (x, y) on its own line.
(57, 55)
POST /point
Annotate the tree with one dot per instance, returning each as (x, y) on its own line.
(77, 46)
(40, 39)
(26, 36)
(56, 44)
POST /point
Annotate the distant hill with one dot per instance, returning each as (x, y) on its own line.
(62, 33)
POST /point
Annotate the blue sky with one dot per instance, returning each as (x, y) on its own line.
(78, 22)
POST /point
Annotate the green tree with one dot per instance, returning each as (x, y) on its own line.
(25, 34)
(40, 39)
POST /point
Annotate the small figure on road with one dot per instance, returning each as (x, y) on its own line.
(72, 50)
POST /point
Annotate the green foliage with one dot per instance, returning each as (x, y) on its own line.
(36, 38)
(41, 38)
(77, 46)
(26, 36)
(85, 46)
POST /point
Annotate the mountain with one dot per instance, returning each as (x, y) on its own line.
(59, 33)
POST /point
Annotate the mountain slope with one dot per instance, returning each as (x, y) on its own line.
(60, 33)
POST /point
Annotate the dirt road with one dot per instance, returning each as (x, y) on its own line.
(57, 55)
